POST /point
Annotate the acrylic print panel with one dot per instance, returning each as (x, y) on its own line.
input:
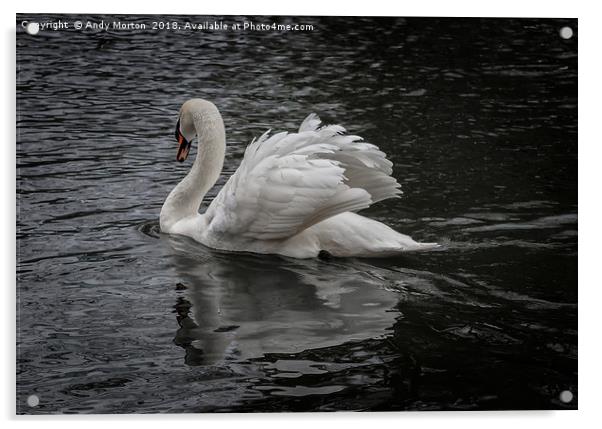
(278, 299)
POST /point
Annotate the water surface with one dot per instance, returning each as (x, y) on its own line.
(479, 117)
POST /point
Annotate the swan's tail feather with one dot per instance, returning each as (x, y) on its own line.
(426, 246)
(401, 249)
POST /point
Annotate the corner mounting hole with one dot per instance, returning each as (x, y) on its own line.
(32, 28)
(566, 32)
(566, 396)
(33, 400)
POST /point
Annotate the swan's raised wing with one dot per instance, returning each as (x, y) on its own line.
(289, 182)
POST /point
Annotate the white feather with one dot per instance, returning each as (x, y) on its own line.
(289, 182)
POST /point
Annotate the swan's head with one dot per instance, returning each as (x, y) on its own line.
(185, 132)
(198, 116)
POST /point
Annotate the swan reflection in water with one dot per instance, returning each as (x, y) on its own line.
(241, 306)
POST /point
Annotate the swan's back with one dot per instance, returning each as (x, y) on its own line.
(288, 182)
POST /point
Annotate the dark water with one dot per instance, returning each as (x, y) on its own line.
(480, 120)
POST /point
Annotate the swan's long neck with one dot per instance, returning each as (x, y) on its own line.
(185, 199)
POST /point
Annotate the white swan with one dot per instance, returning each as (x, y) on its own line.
(293, 194)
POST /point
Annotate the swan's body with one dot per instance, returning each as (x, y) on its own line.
(293, 194)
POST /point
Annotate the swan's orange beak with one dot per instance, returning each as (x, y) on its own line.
(183, 145)
(183, 148)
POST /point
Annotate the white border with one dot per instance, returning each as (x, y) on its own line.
(590, 212)
(506, 8)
